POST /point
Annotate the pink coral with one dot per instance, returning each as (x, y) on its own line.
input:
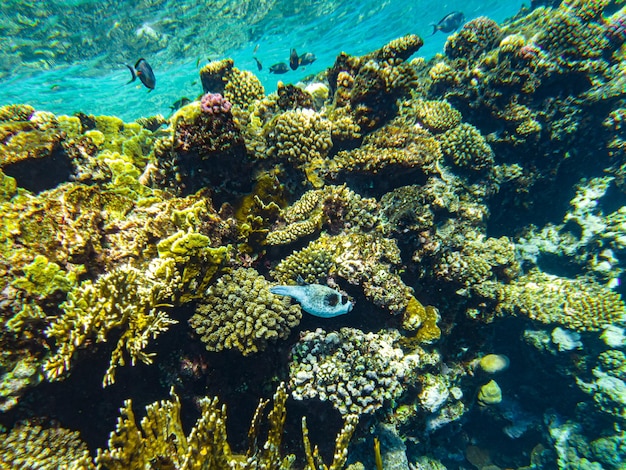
(214, 103)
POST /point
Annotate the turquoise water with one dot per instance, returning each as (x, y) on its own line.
(95, 82)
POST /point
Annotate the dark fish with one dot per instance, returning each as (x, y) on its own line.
(278, 68)
(143, 70)
(180, 103)
(259, 65)
(307, 58)
(294, 60)
(449, 23)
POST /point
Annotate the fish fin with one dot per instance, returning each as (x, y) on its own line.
(300, 281)
(435, 29)
(281, 290)
(132, 72)
(138, 62)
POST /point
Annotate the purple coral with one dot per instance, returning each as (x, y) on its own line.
(215, 103)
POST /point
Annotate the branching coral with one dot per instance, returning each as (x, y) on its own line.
(239, 312)
(161, 438)
(239, 87)
(299, 136)
(127, 299)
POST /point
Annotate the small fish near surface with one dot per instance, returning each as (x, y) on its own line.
(307, 58)
(142, 70)
(449, 23)
(294, 59)
(316, 299)
(279, 68)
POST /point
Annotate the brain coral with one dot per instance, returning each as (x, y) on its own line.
(239, 312)
(577, 304)
(353, 370)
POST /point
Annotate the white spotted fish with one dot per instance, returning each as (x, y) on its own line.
(316, 299)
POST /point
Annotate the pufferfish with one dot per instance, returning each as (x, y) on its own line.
(316, 299)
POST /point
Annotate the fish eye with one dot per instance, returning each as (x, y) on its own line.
(332, 299)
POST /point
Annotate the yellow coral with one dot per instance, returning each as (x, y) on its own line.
(467, 148)
(438, 116)
(125, 298)
(31, 446)
(239, 312)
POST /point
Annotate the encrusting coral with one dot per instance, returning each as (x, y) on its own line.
(239, 312)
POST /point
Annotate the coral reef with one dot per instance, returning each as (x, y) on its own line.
(357, 372)
(31, 446)
(576, 304)
(125, 298)
(333, 207)
(239, 312)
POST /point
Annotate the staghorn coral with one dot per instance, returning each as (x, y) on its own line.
(28, 445)
(577, 304)
(333, 208)
(125, 298)
(239, 312)
(465, 146)
(357, 372)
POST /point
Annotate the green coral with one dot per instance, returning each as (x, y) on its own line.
(43, 278)
(239, 312)
(126, 299)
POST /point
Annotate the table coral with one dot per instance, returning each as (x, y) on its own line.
(127, 299)
(239, 312)
(357, 372)
(577, 304)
